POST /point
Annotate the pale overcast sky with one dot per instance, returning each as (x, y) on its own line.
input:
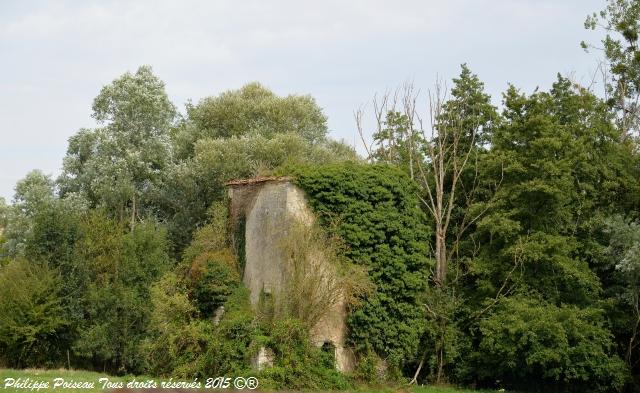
(56, 55)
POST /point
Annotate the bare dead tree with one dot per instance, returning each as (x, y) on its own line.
(359, 116)
(437, 164)
(438, 151)
(626, 103)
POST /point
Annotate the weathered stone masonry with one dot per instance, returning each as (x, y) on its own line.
(267, 207)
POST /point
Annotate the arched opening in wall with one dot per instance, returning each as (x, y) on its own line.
(328, 354)
(266, 306)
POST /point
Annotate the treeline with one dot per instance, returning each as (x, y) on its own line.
(501, 245)
(535, 207)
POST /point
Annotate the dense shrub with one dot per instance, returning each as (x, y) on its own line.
(229, 349)
(528, 344)
(210, 264)
(298, 364)
(213, 278)
(31, 315)
(174, 339)
(55, 229)
(185, 338)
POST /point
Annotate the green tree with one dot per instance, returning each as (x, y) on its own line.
(4, 211)
(32, 194)
(119, 166)
(42, 229)
(519, 203)
(565, 171)
(445, 159)
(122, 266)
(528, 343)
(55, 230)
(619, 20)
(250, 110)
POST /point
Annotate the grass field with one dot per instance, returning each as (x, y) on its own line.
(35, 380)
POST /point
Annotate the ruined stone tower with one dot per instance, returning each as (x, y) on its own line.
(264, 210)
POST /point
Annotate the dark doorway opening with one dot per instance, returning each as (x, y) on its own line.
(328, 354)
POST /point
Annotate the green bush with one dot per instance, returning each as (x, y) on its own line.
(183, 339)
(175, 340)
(210, 264)
(229, 349)
(182, 344)
(367, 369)
(213, 279)
(298, 364)
(31, 315)
(529, 344)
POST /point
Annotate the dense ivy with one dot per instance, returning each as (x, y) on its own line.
(375, 211)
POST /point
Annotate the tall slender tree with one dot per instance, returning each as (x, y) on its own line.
(440, 153)
(119, 165)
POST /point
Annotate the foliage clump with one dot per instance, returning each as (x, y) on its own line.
(31, 314)
(375, 211)
(251, 110)
(298, 364)
(525, 339)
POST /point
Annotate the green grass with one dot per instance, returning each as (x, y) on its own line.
(436, 389)
(40, 375)
(423, 389)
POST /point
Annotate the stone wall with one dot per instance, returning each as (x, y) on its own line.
(268, 208)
